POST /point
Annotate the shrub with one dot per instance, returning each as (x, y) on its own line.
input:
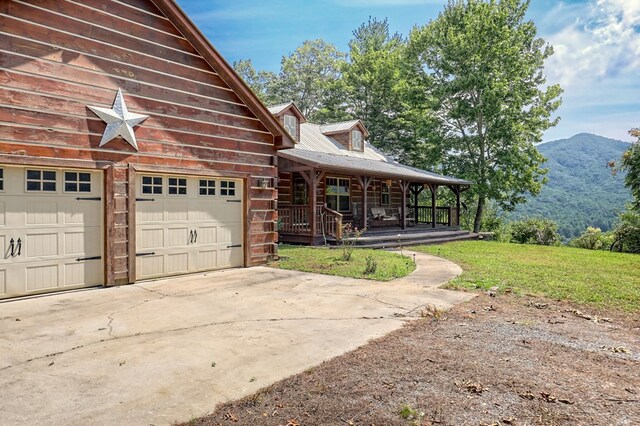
(371, 266)
(627, 233)
(535, 231)
(592, 239)
(349, 237)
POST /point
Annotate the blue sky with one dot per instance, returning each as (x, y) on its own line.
(597, 45)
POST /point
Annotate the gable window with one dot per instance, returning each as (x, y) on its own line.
(300, 191)
(41, 180)
(77, 182)
(291, 125)
(385, 196)
(356, 140)
(337, 194)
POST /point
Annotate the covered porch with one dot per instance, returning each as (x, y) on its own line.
(317, 200)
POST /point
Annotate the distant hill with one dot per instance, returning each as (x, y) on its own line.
(581, 191)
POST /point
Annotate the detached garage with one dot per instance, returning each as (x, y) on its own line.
(129, 149)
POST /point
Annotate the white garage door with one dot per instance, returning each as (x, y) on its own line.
(50, 230)
(187, 224)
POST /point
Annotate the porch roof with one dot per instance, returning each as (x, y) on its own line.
(366, 166)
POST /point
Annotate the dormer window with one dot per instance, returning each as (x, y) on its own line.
(356, 140)
(291, 125)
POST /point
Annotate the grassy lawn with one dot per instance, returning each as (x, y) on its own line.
(604, 279)
(321, 260)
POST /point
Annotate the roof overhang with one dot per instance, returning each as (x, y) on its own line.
(282, 139)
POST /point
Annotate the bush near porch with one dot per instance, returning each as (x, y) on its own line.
(321, 260)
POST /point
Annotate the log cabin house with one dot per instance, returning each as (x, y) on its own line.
(129, 148)
(333, 176)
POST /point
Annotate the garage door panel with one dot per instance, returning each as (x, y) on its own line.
(151, 238)
(54, 230)
(177, 236)
(178, 263)
(78, 212)
(41, 277)
(41, 245)
(41, 212)
(196, 224)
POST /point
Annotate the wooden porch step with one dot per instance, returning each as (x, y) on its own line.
(414, 239)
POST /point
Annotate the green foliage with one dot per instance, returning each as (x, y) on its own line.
(627, 233)
(596, 277)
(538, 231)
(310, 77)
(631, 164)
(372, 265)
(258, 81)
(581, 191)
(593, 239)
(482, 67)
(349, 237)
(329, 262)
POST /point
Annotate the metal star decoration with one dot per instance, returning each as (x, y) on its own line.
(120, 122)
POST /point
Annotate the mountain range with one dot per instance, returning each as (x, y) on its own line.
(581, 190)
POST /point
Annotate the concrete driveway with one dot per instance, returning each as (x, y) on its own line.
(170, 350)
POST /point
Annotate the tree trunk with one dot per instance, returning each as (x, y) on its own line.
(478, 220)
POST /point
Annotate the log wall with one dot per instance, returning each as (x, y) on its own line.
(57, 57)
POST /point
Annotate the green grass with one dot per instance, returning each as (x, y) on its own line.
(321, 260)
(599, 278)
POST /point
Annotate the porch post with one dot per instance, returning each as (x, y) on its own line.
(364, 182)
(416, 190)
(312, 177)
(457, 187)
(434, 212)
(404, 186)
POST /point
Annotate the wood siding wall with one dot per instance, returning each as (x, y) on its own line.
(57, 57)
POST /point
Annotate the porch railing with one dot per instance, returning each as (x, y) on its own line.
(444, 215)
(332, 221)
(294, 219)
(297, 220)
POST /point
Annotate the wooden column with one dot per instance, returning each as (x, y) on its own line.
(434, 196)
(456, 190)
(364, 182)
(404, 186)
(416, 190)
(313, 178)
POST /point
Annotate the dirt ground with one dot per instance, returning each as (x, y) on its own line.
(501, 360)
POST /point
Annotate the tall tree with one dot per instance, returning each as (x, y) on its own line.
(483, 69)
(631, 164)
(370, 79)
(258, 81)
(309, 76)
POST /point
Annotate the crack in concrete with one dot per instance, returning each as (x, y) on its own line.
(194, 327)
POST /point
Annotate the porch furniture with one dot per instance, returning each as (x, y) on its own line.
(380, 216)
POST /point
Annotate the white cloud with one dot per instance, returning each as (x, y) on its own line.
(602, 44)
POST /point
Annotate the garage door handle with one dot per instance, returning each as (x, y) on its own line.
(80, 259)
(195, 235)
(149, 253)
(19, 247)
(235, 245)
(88, 198)
(234, 201)
(145, 199)
(190, 237)
(12, 247)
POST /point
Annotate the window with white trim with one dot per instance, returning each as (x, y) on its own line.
(385, 193)
(177, 186)
(151, 185)
(337, 194)
(41, 180)
(356, 140)
(227, 188)
(77, 182)
(291, 125)
(207, 187)
(1, 179)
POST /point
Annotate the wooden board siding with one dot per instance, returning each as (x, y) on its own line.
(57, 57)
